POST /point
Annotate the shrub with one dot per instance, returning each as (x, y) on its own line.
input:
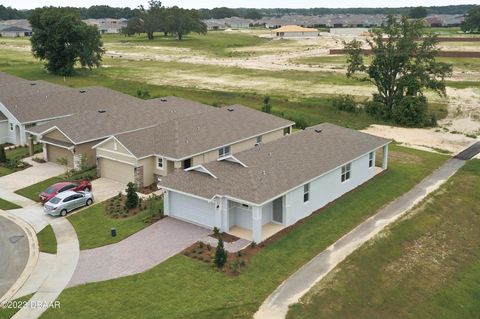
(253, 244)
(132, 196)
(220, 254)
(216, 231)
(412, 111)
(267, 107)
(376, 109)
(3, 156)
(345, 103)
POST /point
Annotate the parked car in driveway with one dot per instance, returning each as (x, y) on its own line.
(67, 201)
(57, 188)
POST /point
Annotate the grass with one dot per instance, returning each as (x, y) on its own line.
(15, 154)
(33, 191)
(194, 290)
(6, 205)
(47, 240)
(93, 226)
(425, 266)
(9, 312)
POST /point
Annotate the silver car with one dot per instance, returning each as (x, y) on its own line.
(67, 201)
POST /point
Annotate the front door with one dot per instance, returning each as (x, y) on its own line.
(278, 210)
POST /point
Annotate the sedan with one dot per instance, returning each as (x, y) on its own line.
(57, 188)
(67, 201)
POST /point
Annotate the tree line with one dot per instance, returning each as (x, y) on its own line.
(167, 20)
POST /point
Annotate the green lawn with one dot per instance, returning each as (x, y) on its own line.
(424, 266)
(6, 313)
(47, 240)
(194, 290)
(17, 154)
(93, 226)
(6, 205)
(33, 191)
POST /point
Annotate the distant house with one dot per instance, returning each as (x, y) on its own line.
(108, 26)
(15, 32)
(349, 31)
(295, 31)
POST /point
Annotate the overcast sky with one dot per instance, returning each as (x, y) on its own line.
(28, 4)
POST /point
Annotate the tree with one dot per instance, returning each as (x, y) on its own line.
(61, 39)
(417, 13)
(153, 18)
(132, 196)
(403, 63)
(182, 21)
(266, 107)
(220, 254)
(134, 25)
(253, 14)
(472, 21)
(3, 156)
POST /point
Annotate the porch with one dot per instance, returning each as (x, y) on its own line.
(268, 230)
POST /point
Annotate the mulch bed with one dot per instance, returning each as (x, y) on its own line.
(225, 237)
(148, 189)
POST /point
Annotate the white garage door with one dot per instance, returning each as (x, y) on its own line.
(192, 209)
(117, 171)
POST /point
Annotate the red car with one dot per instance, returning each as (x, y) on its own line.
(53, 190)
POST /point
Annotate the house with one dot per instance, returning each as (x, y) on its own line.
(294, 31)
(146, 155)
(259, 191)
(15, 32)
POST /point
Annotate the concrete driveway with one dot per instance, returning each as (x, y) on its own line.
(104, 188)
(137, 253)
(14, 253)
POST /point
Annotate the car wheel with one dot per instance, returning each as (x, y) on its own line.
(63, 212)
(87, 189)
(89, 202)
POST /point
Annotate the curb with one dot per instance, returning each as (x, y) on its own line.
(34, 252)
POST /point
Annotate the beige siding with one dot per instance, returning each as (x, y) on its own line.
(57, 135)
(148, 170)
(100, 152)
(86, 150)
(113, 145)
(55, 152)
(121, 172)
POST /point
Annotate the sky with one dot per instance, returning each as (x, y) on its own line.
(29, 4)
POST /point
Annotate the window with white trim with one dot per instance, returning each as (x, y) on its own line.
(11, 126)
(224, 151)
(259, 139)
(346, 172)
(159, 163)
(371, 159)
(306, 193)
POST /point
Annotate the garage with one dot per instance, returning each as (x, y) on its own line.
(192, 209)
(117, 171)
(56, 152)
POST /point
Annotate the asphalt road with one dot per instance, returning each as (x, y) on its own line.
(14, 252)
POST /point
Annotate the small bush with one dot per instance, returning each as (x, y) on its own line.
(345, 103)
(220, 254)
(132, 196)
(216, 231)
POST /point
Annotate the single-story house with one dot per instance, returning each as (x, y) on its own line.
(15, 32)
(259, 191)
(144, 156)
(295, 31)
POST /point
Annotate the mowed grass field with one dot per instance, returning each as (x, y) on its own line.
(427, 265)
(182, 287)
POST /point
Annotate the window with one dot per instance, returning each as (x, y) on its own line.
(11, 126)
(346, 172)
(371, 158)
(259, 139)
(66, 188)
(224, 151)
(159, 163)
(187, 163)
(306, 192)
(286, 131)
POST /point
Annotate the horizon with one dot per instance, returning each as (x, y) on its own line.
(209, 4)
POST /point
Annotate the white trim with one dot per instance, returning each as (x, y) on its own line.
(200, 168)
(114, 152)
(183, 193)
(117, 160)
(114, 134)
(231, 158)
(51, 129)
(116, 139)
(8, 114)
(58, 145)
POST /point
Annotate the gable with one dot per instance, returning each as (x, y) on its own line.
(57, 135)
(113, 145)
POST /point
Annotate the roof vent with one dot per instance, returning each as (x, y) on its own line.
(83, 91)
(231, 109)
(318, 130)
(102, 111)
(270, 154)
(264, 172)
(163, 99)
(33, 83)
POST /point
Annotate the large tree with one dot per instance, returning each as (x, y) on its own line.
(183, 21)
(472, 21)
(403, 64)
(417, 13)
(61, 39)
(153, 18)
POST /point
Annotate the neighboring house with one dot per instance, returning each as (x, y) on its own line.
(257, 192)
(145, 156)
(15, 32)
(349, 31)
(295, 31)
(108, 25)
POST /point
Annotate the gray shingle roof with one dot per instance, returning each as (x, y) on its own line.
(187, 136)
(274, 168)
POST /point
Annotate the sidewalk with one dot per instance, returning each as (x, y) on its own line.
(292, 289)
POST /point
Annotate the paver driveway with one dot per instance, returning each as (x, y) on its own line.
(137, 253)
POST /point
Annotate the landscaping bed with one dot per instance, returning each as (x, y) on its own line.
(12, 162)
(148, 189)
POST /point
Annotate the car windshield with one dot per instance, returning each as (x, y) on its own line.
(50, 190)
(55, 200)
